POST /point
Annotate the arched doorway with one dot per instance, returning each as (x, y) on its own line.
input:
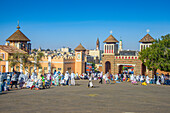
(143, 69)
(120, 69)
(107, 67)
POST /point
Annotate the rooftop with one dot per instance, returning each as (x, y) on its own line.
(110, 39)
(147, 38)
(18, 36)
(80, 48)
(11, 49)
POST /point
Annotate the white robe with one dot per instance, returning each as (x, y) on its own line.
(141, 78)
(137, 77)
(162, 79)
(66, 77)
(90, 82)
(72, 79)
(157, 82)
(131, 77)
(147, 79)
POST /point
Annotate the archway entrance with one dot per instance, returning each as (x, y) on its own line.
(143, 69)
(107, 67)
(126, 68)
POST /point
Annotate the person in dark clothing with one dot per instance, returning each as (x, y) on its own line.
(101, 78)
(155, 77)
(121, 77)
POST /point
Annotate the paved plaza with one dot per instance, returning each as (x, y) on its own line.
(112, 98)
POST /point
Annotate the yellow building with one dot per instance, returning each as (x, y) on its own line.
(18, 43)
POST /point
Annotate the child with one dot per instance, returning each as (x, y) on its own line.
(144, 83)
(43, 81)
(6, 87)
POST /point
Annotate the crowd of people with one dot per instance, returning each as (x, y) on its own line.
(40, 81)
(35, 81)
(135, 79)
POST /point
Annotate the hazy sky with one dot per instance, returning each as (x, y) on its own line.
(57, 23)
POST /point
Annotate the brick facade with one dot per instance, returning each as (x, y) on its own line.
(117, 61)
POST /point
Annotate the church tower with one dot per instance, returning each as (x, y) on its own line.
(110, 51)
(120, 45)
(19, 40)
(146, 41)
(110, 46)
(97, 44)
(80, 59)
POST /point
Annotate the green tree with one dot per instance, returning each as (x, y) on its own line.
(35, 50)
(25, 59)
(48, 50)
(157, 56)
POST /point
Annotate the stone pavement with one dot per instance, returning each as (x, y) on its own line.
(105, 98)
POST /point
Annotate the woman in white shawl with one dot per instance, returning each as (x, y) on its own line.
(73, 79)
(141, 78)
(157, 82)
(116, 77)
(131, 77)
(162, 79)
(21, 80)
(147, 79)
(66, 77)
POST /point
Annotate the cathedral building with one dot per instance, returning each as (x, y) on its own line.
(116, 60)
(19, 43)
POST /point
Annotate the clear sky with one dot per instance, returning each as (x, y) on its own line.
(57, 23)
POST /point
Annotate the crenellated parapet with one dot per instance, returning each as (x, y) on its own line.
(44, 58)
(57, 57)
(69, 57)
(126, 57)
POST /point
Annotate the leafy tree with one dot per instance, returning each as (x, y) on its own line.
(35, 50)
(157, 56)
(48, 49)
(25, 59)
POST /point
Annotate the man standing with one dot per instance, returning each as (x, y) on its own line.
(1, 82)
(14, 80)
(101, 77)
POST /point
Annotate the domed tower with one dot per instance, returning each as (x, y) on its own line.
(19, 40)
(97, 44)
(110, 46)
(79, 59)
(146, 41)
(110, 50)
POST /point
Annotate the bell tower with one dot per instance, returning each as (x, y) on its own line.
(110, 46)
(146, 41)
(19, 40)
(79, 59)
(97, 44)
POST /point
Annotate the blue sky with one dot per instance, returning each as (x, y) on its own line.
(57, 23)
